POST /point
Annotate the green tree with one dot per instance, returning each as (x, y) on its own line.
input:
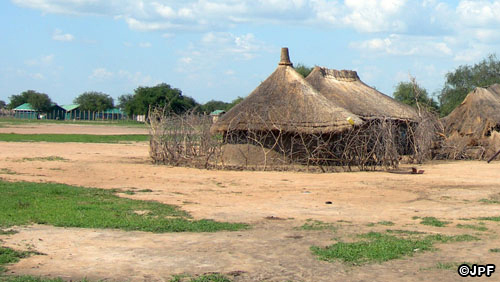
(161, 95)
(125, 102)
(38, 101)
(94, 101)
(213, 105)
(2, 104)
(464, 79)
(407, 93)
(303, 69)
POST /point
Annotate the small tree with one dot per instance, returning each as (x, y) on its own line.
(38, 101)
(94, 101)
(410, 93)
(159, 96)
(303, 69)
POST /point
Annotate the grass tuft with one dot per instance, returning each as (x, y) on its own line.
(213, 277)
(472, 226)
(318, 225)
(432, 221)
(70, 206)
(49, 158)
(490, 218)
(495, 250)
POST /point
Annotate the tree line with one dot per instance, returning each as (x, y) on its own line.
(458, 84)
(138, 103)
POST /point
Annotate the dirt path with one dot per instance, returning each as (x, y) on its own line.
(272, 250)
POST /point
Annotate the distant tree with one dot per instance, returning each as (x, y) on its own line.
(38, 101)
(213, 105)
(2, 104)
(94, 101)
(407, 93)
(161, 95)
(125, 102)
(464, 79)
(303, 69)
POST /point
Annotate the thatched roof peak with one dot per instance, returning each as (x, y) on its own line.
(285, 58)
(343, 75)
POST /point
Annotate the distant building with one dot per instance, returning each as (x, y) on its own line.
(26, 111)
(216, 114)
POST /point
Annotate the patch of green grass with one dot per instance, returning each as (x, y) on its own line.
(489, 201)
(403, 232)
(43, 159)
(490, 218)
(8, 255)
(70, 206)
(7, 171)
(386, 223)
(432, 221)
(415, 217)
(495, 250)
(145, 190)
(318, 225)
(7, 232)
(471, 226)
(447, 265)
(378, 247)
(213, 277)
(27, 278)
(81, 138)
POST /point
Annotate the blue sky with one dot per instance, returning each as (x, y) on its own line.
(215, 49)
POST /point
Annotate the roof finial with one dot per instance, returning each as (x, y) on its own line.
(285, 58)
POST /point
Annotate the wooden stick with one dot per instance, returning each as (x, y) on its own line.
(494, 156)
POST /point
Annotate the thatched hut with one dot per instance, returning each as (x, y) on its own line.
(282, 114)
(473, 128)
(346, 90)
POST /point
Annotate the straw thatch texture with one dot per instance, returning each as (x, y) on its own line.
(346, 90)
(477, 116)
(285, 101)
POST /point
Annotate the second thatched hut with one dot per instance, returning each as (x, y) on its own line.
(473, 128)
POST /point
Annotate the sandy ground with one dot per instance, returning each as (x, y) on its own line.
(272, 250)
(57, 128)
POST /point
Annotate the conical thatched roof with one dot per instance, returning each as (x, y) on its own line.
(346, 90)
(286, 101)
(478, 114)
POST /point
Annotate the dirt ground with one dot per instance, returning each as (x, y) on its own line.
(272, 250)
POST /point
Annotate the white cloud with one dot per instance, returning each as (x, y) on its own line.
(42, 61)
(137, 78)
(145, 44)
(399, 45)
(58, 35)
(101, 74)
(374, 16)
(37, 75)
